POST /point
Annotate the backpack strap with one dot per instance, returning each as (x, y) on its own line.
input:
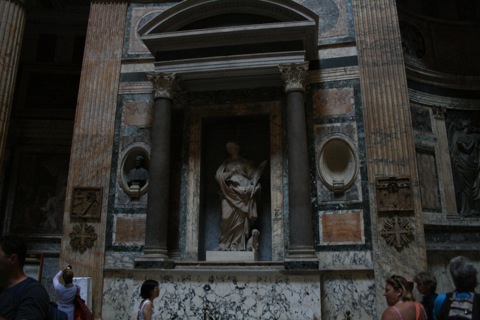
(443, 314)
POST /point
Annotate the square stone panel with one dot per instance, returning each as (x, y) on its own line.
(333, 102)
(342, 228)
(129, 229)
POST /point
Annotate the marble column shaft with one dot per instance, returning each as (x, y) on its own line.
(12, 26)
(388, 134)
(299, 189)
(159, 175)
(93, 136)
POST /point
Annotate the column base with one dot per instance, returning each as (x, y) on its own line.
(154, 259)
(301, 258)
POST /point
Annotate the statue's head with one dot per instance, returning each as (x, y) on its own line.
(232, 147)
(139, 160)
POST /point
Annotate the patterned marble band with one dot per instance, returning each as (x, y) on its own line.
(164, 84)
(295, 76)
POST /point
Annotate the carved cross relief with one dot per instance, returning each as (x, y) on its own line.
(397, 232)
(87, 204)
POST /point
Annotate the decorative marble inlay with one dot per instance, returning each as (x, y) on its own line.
(83, 237)
(397, 232)
(394, 194)
(87, 203)
(295, 76)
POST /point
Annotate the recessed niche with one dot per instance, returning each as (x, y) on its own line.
(337, 163)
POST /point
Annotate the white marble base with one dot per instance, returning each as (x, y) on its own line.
(236, 256)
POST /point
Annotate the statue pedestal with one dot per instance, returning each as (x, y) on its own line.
(228, 256)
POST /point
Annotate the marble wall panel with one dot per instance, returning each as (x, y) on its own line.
(334, 260)
(428, 179)
(121, 259)
(348, 294)
(129, 229)
(137, 113)
(218, 296)
(333, 102)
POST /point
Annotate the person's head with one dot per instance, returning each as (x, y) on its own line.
(150, 289)
(464, 274)
(67, 276)
(13, 251)
(14, 246)
(426, 282)
(396, 289)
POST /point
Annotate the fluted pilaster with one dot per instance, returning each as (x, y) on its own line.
(93, 136)
(12, 25)
(388, 133)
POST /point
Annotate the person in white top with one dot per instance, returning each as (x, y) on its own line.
(149, 291)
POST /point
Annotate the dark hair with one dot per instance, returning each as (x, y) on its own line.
(147, 287)
(67, 276)
(428, 279)
(399, 282)
(13, 244)
(464, 274)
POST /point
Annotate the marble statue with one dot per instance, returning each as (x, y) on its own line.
(465, 154)
(238, 179)
(137, 176)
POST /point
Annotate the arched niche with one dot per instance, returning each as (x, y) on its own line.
(224, 44)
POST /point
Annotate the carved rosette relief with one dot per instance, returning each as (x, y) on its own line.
(164, 84)
(295, 76)
(397, 232)
(82, 237)
(394, 194)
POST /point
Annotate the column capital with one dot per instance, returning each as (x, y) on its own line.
(295, 76)
(439, 112)
(164, 84)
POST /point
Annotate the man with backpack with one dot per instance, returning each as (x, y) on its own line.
(20, 297)
(463, 303)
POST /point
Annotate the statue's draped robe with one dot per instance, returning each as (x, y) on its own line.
(465, 151)
(238, 181)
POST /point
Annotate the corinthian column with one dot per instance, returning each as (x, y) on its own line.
(301, 253)
(155, 252)
(12, 25)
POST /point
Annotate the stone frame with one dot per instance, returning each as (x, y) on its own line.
(197, 114)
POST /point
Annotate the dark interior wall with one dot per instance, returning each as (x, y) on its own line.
(253, 135)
